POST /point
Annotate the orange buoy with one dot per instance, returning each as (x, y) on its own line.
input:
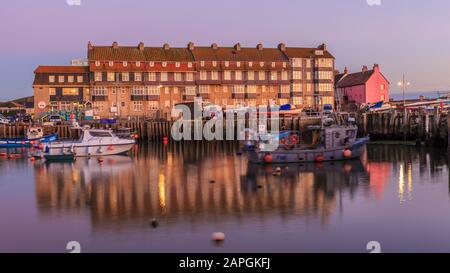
(32, 159)
(12, 157)
(41, 146)
(32, 142)
(319, 158)
(218, 236)
(110, 147)
(347, 153)
(268, 158)
(136, 136)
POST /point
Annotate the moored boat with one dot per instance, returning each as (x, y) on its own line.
(329, 142)
(93, 142)
(35, 135)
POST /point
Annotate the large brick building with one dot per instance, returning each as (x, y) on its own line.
(147, 81)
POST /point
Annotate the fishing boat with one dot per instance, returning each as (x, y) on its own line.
(329, 141)
(92, 142)
(34, 135)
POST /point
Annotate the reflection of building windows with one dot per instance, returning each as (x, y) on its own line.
(52, 91)
(70, 91)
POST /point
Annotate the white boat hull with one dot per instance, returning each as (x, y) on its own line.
(88, 151)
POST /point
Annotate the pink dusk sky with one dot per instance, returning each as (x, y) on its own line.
(402, 36)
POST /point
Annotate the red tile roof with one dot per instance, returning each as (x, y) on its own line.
(353, 79)
(128, 53)
(244, 54)
(61, 69)
(304, 52)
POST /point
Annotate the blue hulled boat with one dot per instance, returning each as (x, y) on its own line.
(34, 136)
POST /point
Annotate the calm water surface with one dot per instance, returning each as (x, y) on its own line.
(397, 195)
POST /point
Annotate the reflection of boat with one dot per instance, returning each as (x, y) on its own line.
(93, 142)
(331, 142)
(34, 135)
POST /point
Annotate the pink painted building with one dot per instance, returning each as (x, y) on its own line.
(367, 86)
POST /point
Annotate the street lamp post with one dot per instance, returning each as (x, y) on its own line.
(403, 84)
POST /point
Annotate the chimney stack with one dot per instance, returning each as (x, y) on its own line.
(166, 46)
(376, 67)
(259, 46)
(282, 46)
(141, 46)
(214, 46)
(323, 47)
(364, 68)
(191, 46)
(237, 47)
(115, 45)
(90, 45)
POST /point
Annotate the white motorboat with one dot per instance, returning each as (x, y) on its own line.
(93, 142)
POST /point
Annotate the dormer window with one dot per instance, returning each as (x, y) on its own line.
(261, 64)
(227, 63)
(214, 63)
(152, 64)
(125, 64)
(238, 64)
(189, 64)
(284, 64)
(177, 64)
(250, 64)
(111, 63)
(202, 63)
(164, 64)
(138, 64)
(273, 64)
(97, 63)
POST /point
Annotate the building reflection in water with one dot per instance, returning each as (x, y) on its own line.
(201, 182)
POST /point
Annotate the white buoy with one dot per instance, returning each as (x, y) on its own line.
(218, 236)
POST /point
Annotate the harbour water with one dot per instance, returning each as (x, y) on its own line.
(396, 195)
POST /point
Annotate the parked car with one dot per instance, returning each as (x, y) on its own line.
(3, 120)
(55, 119)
